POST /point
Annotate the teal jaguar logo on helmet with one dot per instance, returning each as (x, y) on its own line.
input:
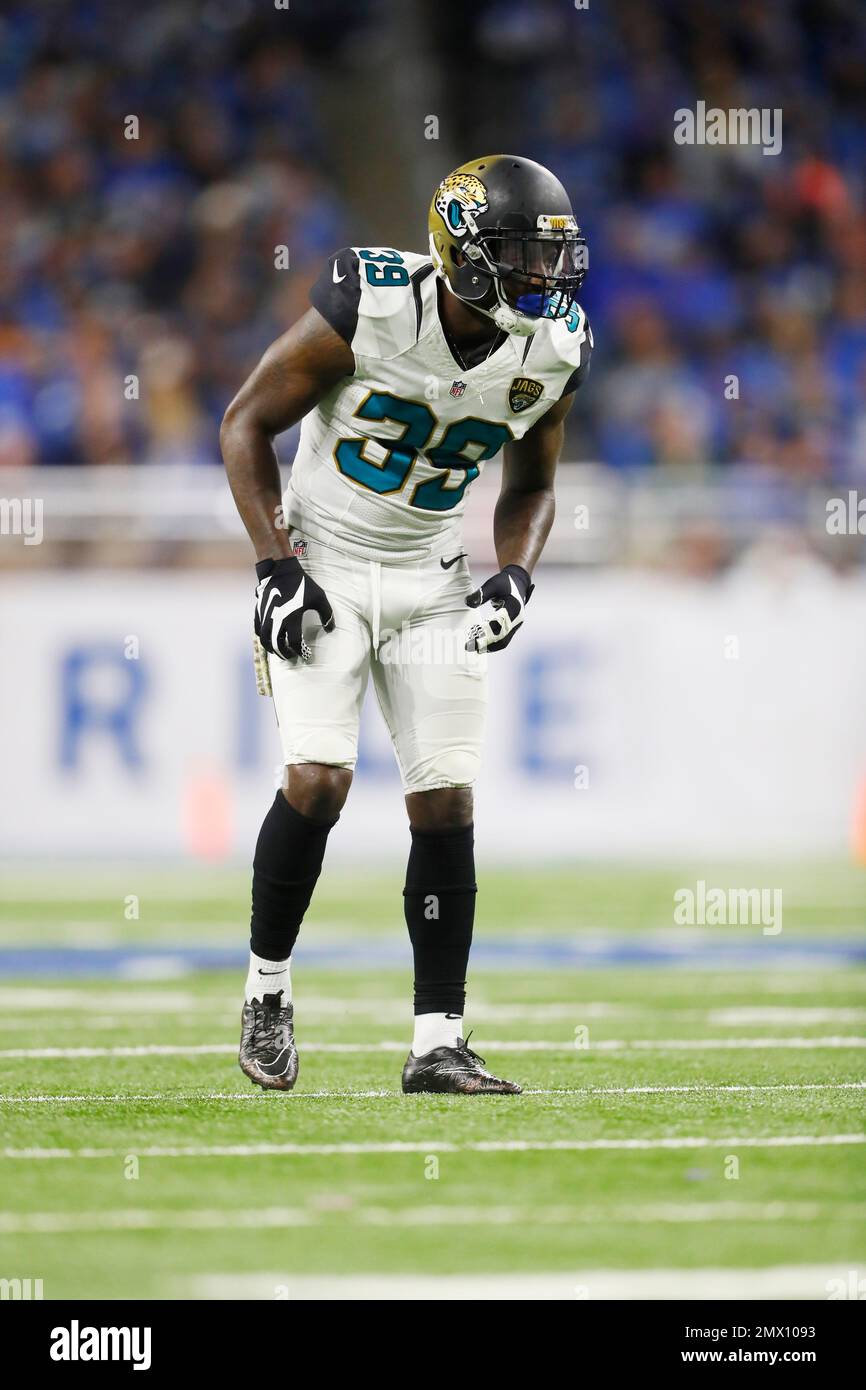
(457, 195)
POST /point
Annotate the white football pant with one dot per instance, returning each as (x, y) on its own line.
(405, 624)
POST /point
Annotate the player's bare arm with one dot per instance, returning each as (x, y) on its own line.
(521, 524)
(293, 375)
(525, 510)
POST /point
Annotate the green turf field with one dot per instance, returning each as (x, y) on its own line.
(675, 1117)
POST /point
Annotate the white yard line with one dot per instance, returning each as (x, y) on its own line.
(114, 1006)
(161, 1097)
(747, 1016)
(725, 1087)
(141, 1050)
(273, 1218)
(678, 1044)
(497, 1044)
(67, 1019)
(700, 1141)
(118, 1002)
(191, 1097)
(38, 998)
(773, 1282)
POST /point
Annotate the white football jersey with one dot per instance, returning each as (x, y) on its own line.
(386, 459)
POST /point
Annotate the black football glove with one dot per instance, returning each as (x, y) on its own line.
(509, 591)
(283, 595)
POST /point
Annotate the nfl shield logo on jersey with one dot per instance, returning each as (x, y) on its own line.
(457, 388)
(523, 392)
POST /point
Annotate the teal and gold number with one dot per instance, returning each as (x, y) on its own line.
(392, 272)
(389, 475)
(484, 437)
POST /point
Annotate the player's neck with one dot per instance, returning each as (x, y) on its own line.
(465, 326)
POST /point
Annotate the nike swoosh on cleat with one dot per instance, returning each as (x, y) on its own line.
(446, 564)
(275, 1068)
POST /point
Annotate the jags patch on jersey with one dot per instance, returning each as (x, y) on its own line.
(524, 392)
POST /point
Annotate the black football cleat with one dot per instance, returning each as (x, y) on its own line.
(268, 1055)
(454, 1071)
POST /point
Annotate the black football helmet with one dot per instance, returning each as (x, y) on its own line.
(504, 239)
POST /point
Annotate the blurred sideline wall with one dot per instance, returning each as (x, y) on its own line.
(636, 715)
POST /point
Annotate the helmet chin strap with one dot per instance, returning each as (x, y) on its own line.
(512, 321)
(507, 320)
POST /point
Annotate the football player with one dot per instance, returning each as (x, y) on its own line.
(409, 372)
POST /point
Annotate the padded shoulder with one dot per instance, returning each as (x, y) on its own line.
(563, 347)
(370, 296)
(389, 314)
(337, 292)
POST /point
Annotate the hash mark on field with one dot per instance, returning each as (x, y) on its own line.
(500, 1045)
(703, 1088)
(770, 1141)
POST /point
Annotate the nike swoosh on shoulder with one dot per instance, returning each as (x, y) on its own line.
(446, 564)
(337, 278)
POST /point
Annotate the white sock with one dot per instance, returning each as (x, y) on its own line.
(436, 1030)
(268, 977)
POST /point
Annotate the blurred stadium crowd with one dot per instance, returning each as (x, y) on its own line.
(152, 256)
(704, 261)
(155, 256)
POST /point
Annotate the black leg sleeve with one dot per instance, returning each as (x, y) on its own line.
(287, 863)
(439, 903)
